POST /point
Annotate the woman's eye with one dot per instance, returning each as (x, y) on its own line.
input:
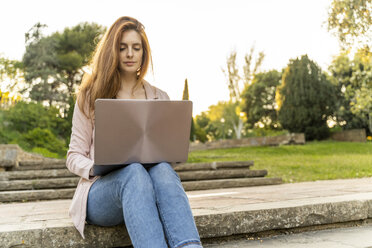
(137, 49)
(122, 48)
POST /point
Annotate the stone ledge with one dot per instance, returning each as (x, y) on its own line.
(240, 219)
(287, 139)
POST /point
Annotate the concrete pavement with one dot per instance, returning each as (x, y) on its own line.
(218, 213)
(351, 237)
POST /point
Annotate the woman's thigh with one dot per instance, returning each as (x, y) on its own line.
(104, 206)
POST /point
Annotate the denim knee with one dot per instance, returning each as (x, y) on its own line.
(166, 180)
(165, 171)
(136, 177)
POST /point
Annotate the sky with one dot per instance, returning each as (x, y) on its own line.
(190, 38)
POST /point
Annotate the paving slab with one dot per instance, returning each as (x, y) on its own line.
(350, 237)
(218, 213)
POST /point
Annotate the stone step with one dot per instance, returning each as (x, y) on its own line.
(220, 174)
(45, 161)
(229, 183)
(35, 174)
(36, 195)
(68, 182)
(31, 165)
(53, 183)
(184, 175)
(61, 164)
(67, 193)
(213, 165)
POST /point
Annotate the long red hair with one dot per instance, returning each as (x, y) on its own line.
(104, 80)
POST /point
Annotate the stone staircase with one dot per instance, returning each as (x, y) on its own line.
(49, 179)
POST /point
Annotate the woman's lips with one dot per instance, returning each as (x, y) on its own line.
(129, 63)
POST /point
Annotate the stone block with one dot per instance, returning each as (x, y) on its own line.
(9, 155)
(354, 135)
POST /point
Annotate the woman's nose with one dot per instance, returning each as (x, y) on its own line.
(130, 53)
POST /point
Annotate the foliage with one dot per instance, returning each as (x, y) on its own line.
(351, 19)
(202, 127)
(362, 103)
(233, 76)
(44, 138)
(9, 68)
(298, 163)
(185, 96)
(305, 99)
(32, 125)
(53, 64)
(11, 76)
(23, 117)
(234, 80)
(351, 78)
(45, 152)
(219, 122)
(264, 132)
(258, 100)
(7, 100)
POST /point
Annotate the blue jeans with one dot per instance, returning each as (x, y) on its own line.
(152, 203)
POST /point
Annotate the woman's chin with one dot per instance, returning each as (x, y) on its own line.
(129, 70)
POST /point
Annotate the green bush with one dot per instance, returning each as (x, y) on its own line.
(44, 138)
(263, 132)
(45, 152)
(23, 117)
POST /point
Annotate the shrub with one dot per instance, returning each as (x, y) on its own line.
(44, 138)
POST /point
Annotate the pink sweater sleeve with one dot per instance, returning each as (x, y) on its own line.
(78, 161)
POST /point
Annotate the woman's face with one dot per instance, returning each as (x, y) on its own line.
(130, 51)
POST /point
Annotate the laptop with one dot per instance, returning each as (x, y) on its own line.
(144, 131)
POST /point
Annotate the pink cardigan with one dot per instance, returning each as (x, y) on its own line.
(80, 157)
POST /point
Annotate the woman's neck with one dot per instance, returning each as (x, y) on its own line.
(128, 80)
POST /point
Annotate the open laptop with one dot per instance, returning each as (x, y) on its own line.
(144, 131)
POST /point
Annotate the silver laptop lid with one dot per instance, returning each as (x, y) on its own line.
(144, 131)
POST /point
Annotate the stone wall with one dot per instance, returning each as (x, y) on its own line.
(354, 135)
(293, 138)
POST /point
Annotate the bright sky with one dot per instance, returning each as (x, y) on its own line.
(190, 38)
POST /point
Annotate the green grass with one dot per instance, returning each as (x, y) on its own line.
(297, 163)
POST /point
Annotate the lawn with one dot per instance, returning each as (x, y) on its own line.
(317, 160)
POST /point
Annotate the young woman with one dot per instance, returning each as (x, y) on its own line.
(149, 199)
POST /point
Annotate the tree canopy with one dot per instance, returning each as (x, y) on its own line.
(258, 99)
(305, 99)
(351, 21)
(53, 64)
(352, 79)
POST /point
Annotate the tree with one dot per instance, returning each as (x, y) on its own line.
(234, 85)
(258, 99)
(53, 64)
(219, 122)
(11, 75)
(201, 127)
(185, 96)
(249, 70)
(362, 102)
(305, 99)
(351, 20)
(349, 77)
